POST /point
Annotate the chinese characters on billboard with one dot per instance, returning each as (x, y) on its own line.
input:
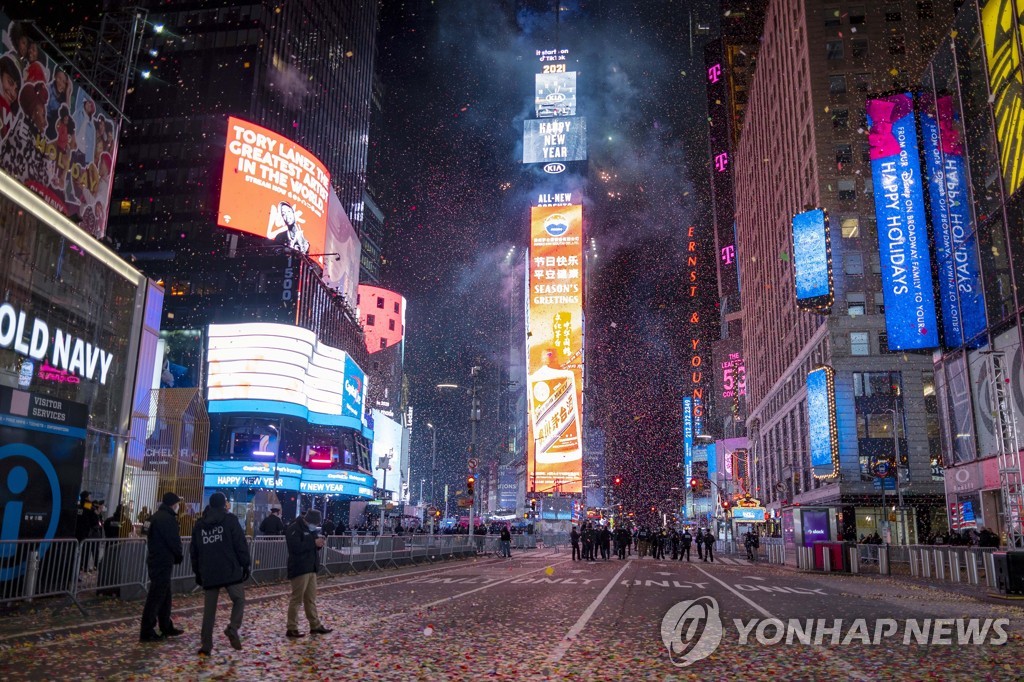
(273, 188)
(555, 362)
(821, 417)
(812, 261)
(902, 232)
(54, 138)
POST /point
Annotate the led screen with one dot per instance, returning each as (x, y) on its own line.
(273, 188)
(555, 345)
(244, 474)
(956, 250)
(812, 260)
(902, 233)
(555, 94)
(687, 438)
(1000, 24)
(816, 526)
(554, 139)
(821, 416)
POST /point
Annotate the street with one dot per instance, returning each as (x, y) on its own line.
(539, 616)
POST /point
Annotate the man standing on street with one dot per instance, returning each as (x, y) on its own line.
(220, 558)
(506, 542)
(709, 547)
(272, 525)
(699, 540)
(164, 553)
(574, 537)
(684, 545)
(304, 544)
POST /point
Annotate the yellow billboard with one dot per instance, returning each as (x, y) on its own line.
(999, 23)
(555, 344)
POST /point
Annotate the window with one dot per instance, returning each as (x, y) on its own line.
(857, 16)
(834, 50)
(837, 84)
(865, 152)
(870, 384)
(853, 263)
(850, 226)
(897, 45)
(840, 119)
(391, 325)
(862, 82)
(380, 303)
(847, 190)
(925, 9)
(371, 320)
(855, 305)
(860, 343)
(893, 14)
(844, 153)
(859, 47)
(876, 425)
(833, 17)
(398, 307)
(883, 344)
(383, 344)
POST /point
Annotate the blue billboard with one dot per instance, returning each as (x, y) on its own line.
(910, 317)
(337, 482)
(247, 474)
(355, 390)
(812, 260)
(687, 438)
(821, 417)
(956, 249)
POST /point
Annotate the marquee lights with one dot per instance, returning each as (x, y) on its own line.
(696, 388)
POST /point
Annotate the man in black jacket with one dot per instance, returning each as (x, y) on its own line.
(220, 558)
(273, 525)
(164, 552)
(304, 544)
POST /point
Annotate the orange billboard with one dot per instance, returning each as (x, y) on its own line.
(273, 188)
(555, 344)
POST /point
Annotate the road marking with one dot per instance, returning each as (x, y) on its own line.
(844, 664)
(570, 637)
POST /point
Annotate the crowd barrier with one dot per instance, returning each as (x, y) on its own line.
(33, 569)
(970, 565)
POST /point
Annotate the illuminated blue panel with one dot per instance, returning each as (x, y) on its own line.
(956, 250)
(245, 474)
(812, 255)
(355, 390)
(821, 415)
(748, 514)
(687, 438)
(337, 482)
(902, 232)
(548, 140)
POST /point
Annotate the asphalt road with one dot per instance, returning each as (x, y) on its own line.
(542, 616)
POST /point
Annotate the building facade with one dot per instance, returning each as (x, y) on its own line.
(829, 58)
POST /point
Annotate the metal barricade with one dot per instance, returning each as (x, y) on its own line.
(269, 557)
(972, 567)
(990, 568)
(113, 568)
(337, 554)
(883, 559)
(854, 553)
(33, 568)
(939, 560)
(954, 564)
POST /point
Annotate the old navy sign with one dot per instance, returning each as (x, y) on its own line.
(33, 339)
(902, 233)
(956, 251)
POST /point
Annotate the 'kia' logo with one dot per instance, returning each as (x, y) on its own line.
(554, 168)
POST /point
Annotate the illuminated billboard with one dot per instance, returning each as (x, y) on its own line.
(54, 138)
(290, 477)
(1000, 24)
(910, 318)
(555, 363)
(687, 438)
(812, 261)
(555, 94)
(956, 249)
(341, 273)
(821, 417)
(281, 369)
(561, 140)
(273, 188)
(382, 314)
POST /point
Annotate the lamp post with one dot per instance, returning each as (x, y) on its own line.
(384, 464)
(433, 461)
(422, 481)
(901, 526)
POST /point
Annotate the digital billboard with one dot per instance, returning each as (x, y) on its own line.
(54, 138)
(336, 482)
(282, 369)
(555, 94)
(812, 261)
(555, 344)
(387, 440)
(821, 417)
(273, 188)
(1000, 25)
(508, 486)
(546, 140)
(341, 273)
(245, 474)
(687, 438)
(910, 317)
(956, 247)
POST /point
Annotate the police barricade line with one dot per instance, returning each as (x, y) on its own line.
(32, 569)
(268, 555)
(114, 568)
(338, 554)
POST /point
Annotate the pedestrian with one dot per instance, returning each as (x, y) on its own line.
(673, 539)
(272, 525)
(699, 540)
(574, 538)
(164, 552)
(506, 543)
(641, 542)
(606, 543)
(304, 544)
(684, 545)
(220, 558)
(87, 527)
(625, 538)
(709, 547)
(330, 527)
(659, 545)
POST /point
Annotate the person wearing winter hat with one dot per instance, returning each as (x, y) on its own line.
(304, 544)
(220, 558)
(165, 551)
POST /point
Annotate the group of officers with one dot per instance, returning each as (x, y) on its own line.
(586, 543)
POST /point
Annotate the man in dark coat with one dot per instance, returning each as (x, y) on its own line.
(164, 552)
(87, 527)
(605, 538)
(684, 545)
(625, 538)
(273, 525)
(574, 538)
(220, 558)
(304, 544)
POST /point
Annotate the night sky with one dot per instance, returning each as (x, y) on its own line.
(458, 82)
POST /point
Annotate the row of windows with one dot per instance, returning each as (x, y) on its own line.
(857, 15)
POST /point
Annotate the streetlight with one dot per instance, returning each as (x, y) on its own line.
(901, 527)
(422, 481)
(433, 461)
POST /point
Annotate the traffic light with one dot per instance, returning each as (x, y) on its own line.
(617, 480)
(726, 505)
(470, 483)
(526, 515)
(694, 484)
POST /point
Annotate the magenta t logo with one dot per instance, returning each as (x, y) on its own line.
(729, 254)
(721, 161)
(715, 73)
